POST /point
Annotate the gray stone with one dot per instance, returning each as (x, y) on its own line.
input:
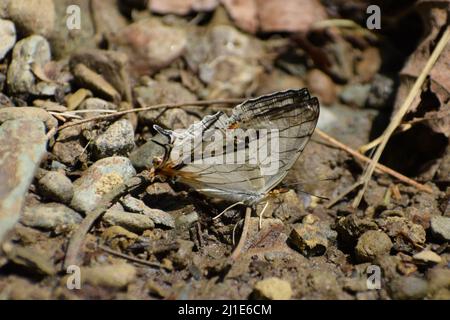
(159, 217)
(22, 146)
(355, 94)
(56, 186)
(371, 245)
(7, 37)
(187, 219)
(131, 221)
(403, 288)
(99, 179)
(68, 152)
(150, 45)
(50, 216)
(93, 104)
(438, 280)
(95, 82)
(381, 92)
(156, 92)
(440, 228)
(5, 101)
(142, 157)
(110, 64)
(32, 50)
(118, 139)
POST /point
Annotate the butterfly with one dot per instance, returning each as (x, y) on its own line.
(281, 123)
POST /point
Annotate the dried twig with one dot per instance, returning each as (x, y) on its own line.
(237, 251)
(378, 167)
(134, 259)
(157, 106)
(396, 120)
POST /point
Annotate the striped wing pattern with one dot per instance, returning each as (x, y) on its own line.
(293, 114)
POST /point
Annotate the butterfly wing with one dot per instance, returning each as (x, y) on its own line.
(293, 114)
(287, 118)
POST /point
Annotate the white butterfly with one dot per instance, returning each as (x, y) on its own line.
(292, 114)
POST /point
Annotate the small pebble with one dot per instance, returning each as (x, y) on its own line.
(440, 228)
(118, 139)
(33, 17)
(355, 95)
(95, 82)
(142, 157)
(427, 256)
(405, 234)
(34, 261)
(50, 216)
(150, 45)
(403, 288)
(131, 221)
(322, 85)
(371, 245)
(32, 50)
(381, 93)
(309, 240)
(7, 37)
(186, 219)
(159, 217)
(56, 186)
(113, 276)
(272, 289)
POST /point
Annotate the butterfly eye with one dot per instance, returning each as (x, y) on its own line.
(157, 161)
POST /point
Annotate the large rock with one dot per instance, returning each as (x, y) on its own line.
(22, 145)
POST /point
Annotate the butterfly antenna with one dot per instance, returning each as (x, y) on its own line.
(228, 208)
(306, 182)
(323, 198)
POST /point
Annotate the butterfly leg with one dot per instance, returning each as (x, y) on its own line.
(261, 214)
(226, 209)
